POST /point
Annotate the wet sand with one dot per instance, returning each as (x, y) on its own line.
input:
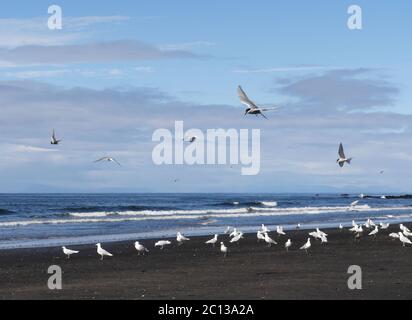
(196, 271)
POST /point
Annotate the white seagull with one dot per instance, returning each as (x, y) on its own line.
(279, 231)
(374, 232)
(237, 238)
(384, 226)
(140, 248)
(102, 252)
(162, 244)
(260, 236)
(306, 246)
(342, 158)
(404, 239)
(54, 140)
(68, 252)
(394, 236)
(213, 241)
(108, 159)
(223, 249)
(269, 240)
(181, 238)
(403, 228)
(265, 229)
(288, 244)
(252, 108)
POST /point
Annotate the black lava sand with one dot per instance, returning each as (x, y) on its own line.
(198, 272)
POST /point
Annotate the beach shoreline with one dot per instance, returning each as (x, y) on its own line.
(196, 271)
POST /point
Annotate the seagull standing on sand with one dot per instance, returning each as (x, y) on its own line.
(181, 238)
(54, 140)
(404, 239)
(237, 238)
(384, 226)
(141, 249)
(279, 231)
(102, 252)
(108, 159)
(374, 232)
(252, 108)
(213, 241)
(288, 244)
(306, 246)
(162, 244)
(260, 236)
(269, 240)
(403, 228)
(265, 229)
(342, 158)
(394, 236)
(69, 252)
(223, 249)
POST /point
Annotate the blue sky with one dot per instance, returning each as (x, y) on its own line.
(191, 55)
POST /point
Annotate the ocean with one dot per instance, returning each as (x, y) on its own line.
(44, 220)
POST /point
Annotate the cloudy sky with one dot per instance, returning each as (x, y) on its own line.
(117, 72)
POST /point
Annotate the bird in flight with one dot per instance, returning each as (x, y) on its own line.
(108, 159)
(252, 108)
(54, 140)
(342, 158)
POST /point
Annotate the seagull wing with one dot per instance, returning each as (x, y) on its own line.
(101, 159)
(117, 162)
(341, 152)
(245, 99)
(263, 115)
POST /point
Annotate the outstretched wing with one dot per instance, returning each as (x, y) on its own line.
(117, 162)
(245, 99)
(341, 152)
(101, 159)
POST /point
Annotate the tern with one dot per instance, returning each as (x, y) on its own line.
(181, 238)
(54, 140)
(162, 244)
(252, 108)
(108, 159)
(342, 158)
(223, 249)
(306, 246)
(213, 241)
(404, 239)
(288, 244)
(102, 252)
(68, 252)
(269, 240)
(141, 249)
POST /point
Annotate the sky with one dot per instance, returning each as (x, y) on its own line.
(119, 70)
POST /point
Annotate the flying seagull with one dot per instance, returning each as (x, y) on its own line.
(54, 140)
(109, 159)
(68, 252)
(342, 158)
(252, 108)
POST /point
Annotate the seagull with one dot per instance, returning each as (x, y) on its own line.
(102, 252)
(298, 226)
(54, 140)
(403, 228)
(288, 244)
(228, 230)
(407, 233)
(374, 232)
(265, 229)
(237, 238)
(342, 158)
(140, 248)
(68, 252)
(260, 236)
(234, 233)
(252, 108)
(384, 226)
(306, 246)
(323, 239)
(404, 239)
(223, 249)
(280, 232)
(394, 236)
(269, 240)
(341, 227)
(162, 244)
(181, 238)
(109, 159)
(213, 241)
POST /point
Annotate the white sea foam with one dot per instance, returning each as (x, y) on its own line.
(269, 204)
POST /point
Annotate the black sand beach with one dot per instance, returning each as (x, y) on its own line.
(198, 272)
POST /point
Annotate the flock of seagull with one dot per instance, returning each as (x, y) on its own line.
(262, 235)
